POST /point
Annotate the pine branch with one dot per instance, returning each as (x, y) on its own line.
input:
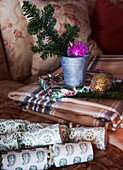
(42, 24)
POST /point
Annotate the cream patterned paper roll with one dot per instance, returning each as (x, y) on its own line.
(9, 142)
(96, 135)
(72, 153)
(32, 126)
(26, 160)
(63, 128)
(41, 137)
(8, 126)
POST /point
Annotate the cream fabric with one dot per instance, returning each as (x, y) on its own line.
(16, 40)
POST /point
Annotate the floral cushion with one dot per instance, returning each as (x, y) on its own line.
(73, 12)
(17, 41)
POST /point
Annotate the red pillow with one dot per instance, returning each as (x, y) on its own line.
(107, 27)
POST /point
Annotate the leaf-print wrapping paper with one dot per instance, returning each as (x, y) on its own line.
(97, 136)
(26, 160)
(41, 137)
(72, 153)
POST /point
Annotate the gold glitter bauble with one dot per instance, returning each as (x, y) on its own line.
(101, 83)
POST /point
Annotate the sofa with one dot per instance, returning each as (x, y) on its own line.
(20, 67)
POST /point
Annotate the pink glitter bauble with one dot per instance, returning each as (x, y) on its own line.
(78, 49)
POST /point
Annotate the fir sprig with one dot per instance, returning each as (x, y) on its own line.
(42, 24)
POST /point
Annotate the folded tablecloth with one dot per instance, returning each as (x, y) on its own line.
(91, 112)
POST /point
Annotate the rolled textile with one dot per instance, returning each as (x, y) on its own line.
(18, 125)
(33, 134)
(72, 153)
(96, 112)
(96, 135)
(32, 126)
(41, 137)
(26, 159)
(43, 158)
(9, 142)
(9, 126)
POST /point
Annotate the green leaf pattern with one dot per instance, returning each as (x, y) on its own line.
(41, 137)
(95, 135)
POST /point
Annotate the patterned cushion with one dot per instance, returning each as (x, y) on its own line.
(73, 12)
(17, 41)
(4, 73)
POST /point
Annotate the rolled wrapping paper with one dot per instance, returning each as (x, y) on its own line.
(96, 135)
(9, 142)
(26, 160)
(41, 137)
(35, 134)
(63, 129)
(32, 126)
(63, 154)
(72, 153)
(8, 126)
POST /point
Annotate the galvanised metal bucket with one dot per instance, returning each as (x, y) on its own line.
(74, 70)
